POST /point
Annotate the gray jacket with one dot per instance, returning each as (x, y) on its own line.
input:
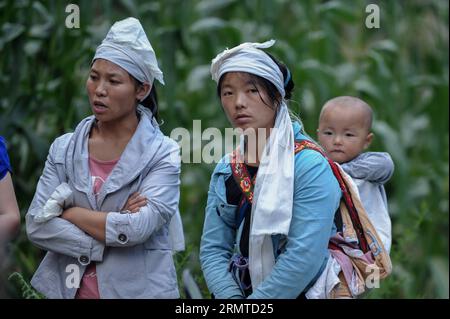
(136, 260)
(370, 171)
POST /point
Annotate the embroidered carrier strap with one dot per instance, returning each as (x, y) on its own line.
(242, 176)
(247, 184)
(305, 144)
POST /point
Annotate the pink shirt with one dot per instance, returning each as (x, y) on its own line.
(100, 171)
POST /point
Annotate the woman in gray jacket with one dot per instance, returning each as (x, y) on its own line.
(108, 192)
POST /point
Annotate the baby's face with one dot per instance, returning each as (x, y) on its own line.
(343, 132)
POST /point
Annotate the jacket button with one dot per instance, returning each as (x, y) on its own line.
(84, 260)
(123, 238)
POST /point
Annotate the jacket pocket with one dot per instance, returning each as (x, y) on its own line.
(227, 213)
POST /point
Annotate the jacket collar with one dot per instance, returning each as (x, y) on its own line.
(137, 155)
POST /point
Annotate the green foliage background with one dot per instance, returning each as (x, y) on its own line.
(400, 69)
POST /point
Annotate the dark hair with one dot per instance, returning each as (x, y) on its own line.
(268, 86)
(287, 77)
(151, 101)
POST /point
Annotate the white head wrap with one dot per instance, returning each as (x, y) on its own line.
(127, 45)
(274, 188)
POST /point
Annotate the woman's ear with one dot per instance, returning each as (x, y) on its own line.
(142, 91)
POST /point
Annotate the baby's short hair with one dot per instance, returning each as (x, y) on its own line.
(350, 101)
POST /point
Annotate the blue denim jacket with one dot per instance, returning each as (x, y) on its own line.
(301, 257)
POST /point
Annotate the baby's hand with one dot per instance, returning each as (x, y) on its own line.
(135, 202)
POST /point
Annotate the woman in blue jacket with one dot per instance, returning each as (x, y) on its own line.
(269, 214)
(108, 192)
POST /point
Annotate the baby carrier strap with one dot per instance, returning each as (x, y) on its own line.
(355, 224)
(346, 197)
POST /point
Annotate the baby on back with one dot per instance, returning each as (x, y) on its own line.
(345, 133)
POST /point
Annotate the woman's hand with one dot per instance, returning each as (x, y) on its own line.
(85, 219)
(135, 202)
